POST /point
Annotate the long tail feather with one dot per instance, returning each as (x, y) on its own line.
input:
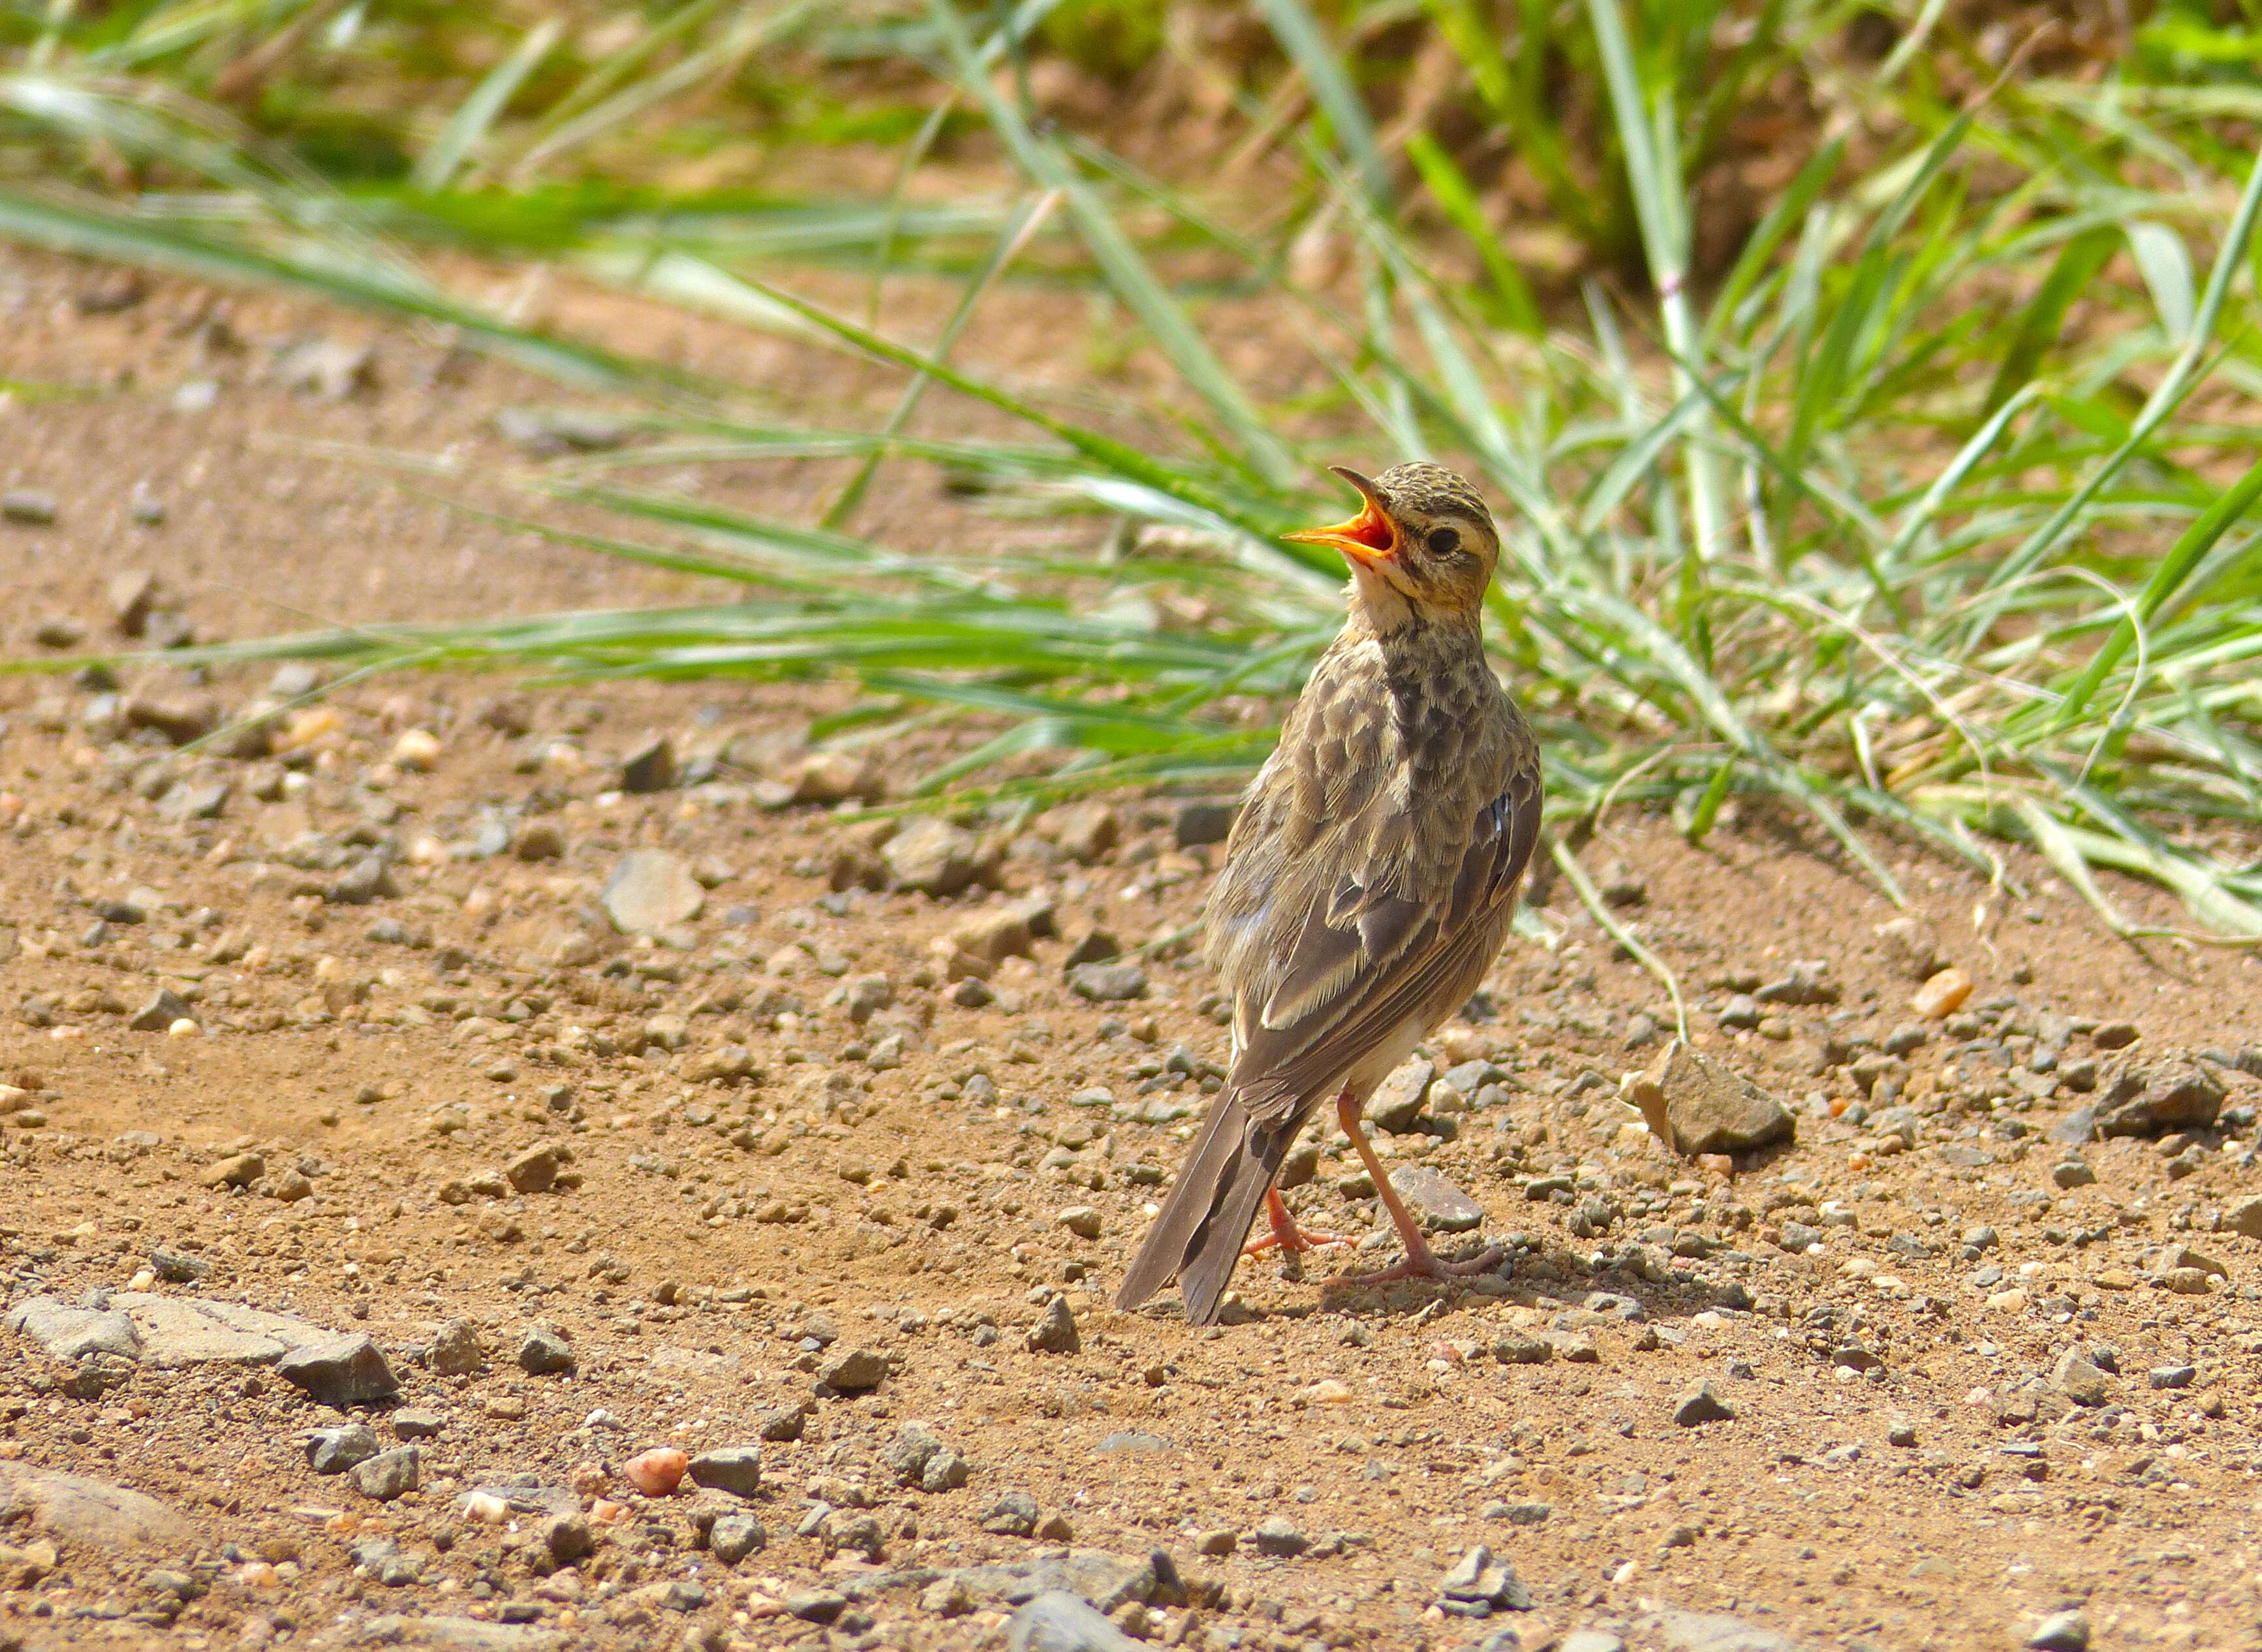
(1211, 1207)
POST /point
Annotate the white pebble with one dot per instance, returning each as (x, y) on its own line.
(416, 748)
(184, 1027)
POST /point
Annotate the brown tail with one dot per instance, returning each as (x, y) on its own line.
(1198, 1238)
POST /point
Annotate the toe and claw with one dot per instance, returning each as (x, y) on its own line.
(1420, 1262)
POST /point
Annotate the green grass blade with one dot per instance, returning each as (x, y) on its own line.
(451, 151)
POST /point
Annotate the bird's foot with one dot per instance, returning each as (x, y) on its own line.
(1423, 1263)
(1288, 1236)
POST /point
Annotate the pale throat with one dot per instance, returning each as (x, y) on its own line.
(1378, 608)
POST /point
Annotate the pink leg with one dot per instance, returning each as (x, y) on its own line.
(1421, 1261)
(1286, 1235)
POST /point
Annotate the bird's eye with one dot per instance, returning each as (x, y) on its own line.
(1444, 541)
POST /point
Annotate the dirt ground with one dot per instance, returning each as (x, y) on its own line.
(805, 1125)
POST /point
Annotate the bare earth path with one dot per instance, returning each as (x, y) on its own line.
(340, 1041)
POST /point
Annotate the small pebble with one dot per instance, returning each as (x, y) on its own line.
(658, 1472)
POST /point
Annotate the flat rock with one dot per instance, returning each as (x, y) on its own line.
(1696, 1106)
(931, 856)
(388, 1475)
(737, 1470)
(90, 1511)
(459, 1635)
(183, 1331)
(1703, 1632)
(1108, 983)
(1057, 1621)
(1397, 1100)
(2174, 1096)
(1097, 1577)
(854, 1371)
(332, 1451)
(72, 1332)
(2076, 1128)
(2077, 1376)
(1136, 1443)
(341, 1372)
(652, 890)
(1444, 1207)
(1701, 1405)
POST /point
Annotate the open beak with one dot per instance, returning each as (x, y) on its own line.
(1369, 539)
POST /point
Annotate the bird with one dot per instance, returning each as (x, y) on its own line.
(1369, 879)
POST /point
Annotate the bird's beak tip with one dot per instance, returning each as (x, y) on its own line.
(1367, 538)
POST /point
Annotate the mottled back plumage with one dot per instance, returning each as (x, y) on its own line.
(1371, 875)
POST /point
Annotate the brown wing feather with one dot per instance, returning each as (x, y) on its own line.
(1282, 1066)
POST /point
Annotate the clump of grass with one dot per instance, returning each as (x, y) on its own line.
(1931, 511)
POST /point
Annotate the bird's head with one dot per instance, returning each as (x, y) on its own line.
(1423, 541)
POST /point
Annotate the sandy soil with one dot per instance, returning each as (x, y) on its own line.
(783, 1133)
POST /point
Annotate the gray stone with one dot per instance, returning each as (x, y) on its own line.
(1084, 831)
(1590, 1641)
(2174, 1096)
(1056, 1332)
(163, 1008)
(534, 1170)
(735, 1536)
(70, 1332)
(651, 892)
(2060, 1631)
(1108, 983)
(1913, 947)
(178, 1268)
(1104, 1580)
(387, 1475)
(853, 1372)
(1805, 984)
(380, 1559)
(783, 1424)
(1014, 1514)
(2246, 1217)
(2170, 1377)
(28, 508)
(1700, 1632)
(650, 766)
(1397, 1100)
(411, 1423)
(2076, 1128)
(2072, 1174)
(816, 1605)
(92, 1512)
(1136, 1443)
(332, 1451)
(931, 856)
(456, 1349)
(1701, 1405)
(1443, 1206)
(1207, 821)
(1277, 1535)
(2076, 1377)
(342, 1373)
(185, 1330)
(368, 879)
(457, 1635)
(1058, 1621)
(945, 1471)
(737, 1470)
(1696, 1106)
(544, 1351)
(569, 1540)
(908, 1453)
